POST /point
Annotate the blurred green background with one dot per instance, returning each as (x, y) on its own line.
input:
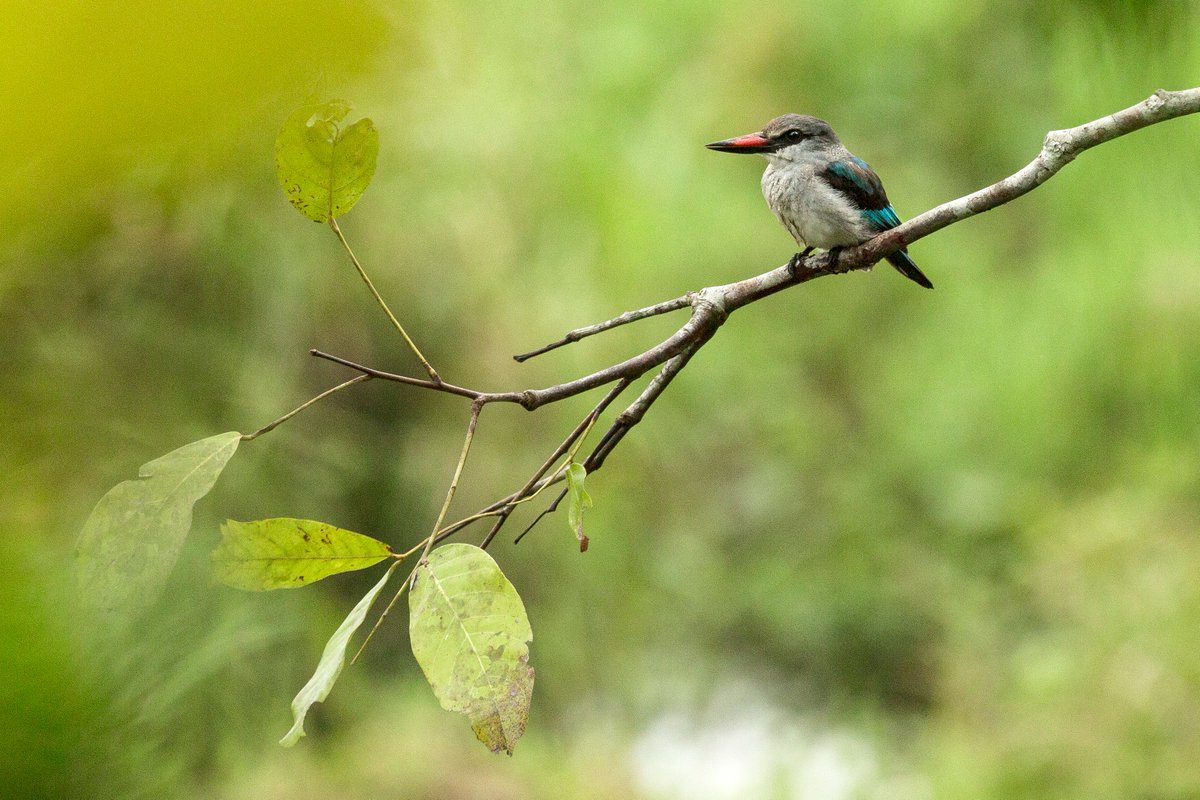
(875, 542)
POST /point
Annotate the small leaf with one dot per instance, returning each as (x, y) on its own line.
(330, 666)
(133, 536)
(323, 166)
(285, 553)
(470, 635)
(577, 500)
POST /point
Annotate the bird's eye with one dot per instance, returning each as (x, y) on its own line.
(793, 135)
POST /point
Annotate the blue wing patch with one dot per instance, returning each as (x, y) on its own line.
(862, 186)
(859, 184)
(881, 218)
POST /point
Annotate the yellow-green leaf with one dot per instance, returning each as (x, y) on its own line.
(577, 500)
(285, 553)
(322, 164)
(133, 536)
(470, 635)
(333, 658)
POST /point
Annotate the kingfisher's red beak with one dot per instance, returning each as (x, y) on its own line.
(750, 143)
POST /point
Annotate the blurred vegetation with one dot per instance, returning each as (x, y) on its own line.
(875, 542)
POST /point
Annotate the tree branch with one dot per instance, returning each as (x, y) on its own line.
(621, 319)
(625, 420)
(712, 306)
(534, 483)
(1058, 149)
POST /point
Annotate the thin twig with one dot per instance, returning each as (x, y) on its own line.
(707, 315)
(382, 616)
(573, 437)
(437, 386)
(272, 425)
(621, 319)
(498, 506)
(550, 509)
(476, 407)
(637, 409)
(362, 273)
(625, 420)
(530, 491)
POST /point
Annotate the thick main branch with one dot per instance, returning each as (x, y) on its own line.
(1058, 149)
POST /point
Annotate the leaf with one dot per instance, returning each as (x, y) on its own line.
(333, 658)
(577, 500)
(286, 553)
(470, 635)
(133, 536)
(322, 166)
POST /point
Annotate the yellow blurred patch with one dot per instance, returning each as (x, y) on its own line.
(93, 89)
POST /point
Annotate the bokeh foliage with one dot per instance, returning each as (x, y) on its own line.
(958, 529)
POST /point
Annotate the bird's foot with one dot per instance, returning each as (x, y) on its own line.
(834, 254)
(797, 259)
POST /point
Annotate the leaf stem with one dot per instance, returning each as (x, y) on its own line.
(404, 556)
(362, 273)
(382, 616)
(271, 426)
(476, 407)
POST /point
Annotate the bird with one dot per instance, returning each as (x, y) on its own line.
(824, 195)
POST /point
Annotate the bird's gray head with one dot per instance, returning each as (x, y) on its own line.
(792, 137)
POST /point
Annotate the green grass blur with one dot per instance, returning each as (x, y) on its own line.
(874, 542)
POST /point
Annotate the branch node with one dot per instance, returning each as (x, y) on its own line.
(712, 300)
(529, 399)
(1056, 141)
(626, 418)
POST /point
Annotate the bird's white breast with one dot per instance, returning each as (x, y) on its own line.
(811, 210)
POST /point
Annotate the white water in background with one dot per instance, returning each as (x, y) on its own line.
(743, 748)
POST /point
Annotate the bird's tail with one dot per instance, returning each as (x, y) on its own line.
(908, 269)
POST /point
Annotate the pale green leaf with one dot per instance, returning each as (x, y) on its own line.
(322, 164)
(577, 500)
(133, 536)
(330, 666)
(470, 635)
(285, 553)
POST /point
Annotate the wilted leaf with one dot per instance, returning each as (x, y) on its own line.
(470, 635)
(285, 553)
(133, 536)
(330, 666)
(577, 500)
(323, 166)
